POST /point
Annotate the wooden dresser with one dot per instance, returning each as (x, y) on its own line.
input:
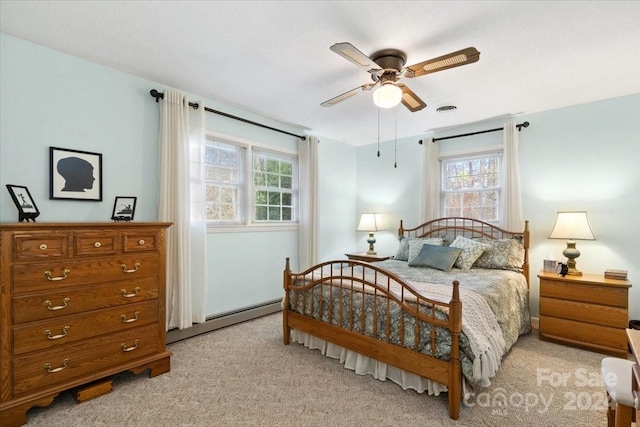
(79, 303)
(586, 311)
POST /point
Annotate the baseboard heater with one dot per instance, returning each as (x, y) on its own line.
(224, 320)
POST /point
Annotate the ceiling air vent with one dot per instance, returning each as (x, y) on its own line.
(446, 108)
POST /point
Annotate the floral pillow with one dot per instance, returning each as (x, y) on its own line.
(403, 249)
(471, 251)
(503, 254)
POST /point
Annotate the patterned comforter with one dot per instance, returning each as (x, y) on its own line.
(495, 313)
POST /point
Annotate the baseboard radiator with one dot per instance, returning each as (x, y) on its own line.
(224, 320)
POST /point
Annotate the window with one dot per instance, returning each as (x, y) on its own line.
(273, 186)
(224, 173)
(265, 191)
(471, 185)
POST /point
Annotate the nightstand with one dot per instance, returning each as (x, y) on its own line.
(585, 311)
(363, 256)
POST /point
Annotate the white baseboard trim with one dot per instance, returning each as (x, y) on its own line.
(224, 320)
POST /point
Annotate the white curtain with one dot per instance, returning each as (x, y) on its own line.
(181, 201)
(511, 218)
(430, 189)
(308, 197)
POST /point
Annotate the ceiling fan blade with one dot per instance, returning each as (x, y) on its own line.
(348, 94)
(410, 99)
(351, 53)
(454, 59)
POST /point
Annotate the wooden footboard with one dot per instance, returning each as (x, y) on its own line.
(371, 311)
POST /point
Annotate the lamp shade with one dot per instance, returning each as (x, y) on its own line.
(388, 95)
(371, 222)
(572, 226)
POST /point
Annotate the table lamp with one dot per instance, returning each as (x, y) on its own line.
(371, 222)
(572, 226)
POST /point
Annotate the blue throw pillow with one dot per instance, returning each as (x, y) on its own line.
(438, 257)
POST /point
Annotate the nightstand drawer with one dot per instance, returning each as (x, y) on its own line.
(615, 317)
(584, 292)
(583, 334)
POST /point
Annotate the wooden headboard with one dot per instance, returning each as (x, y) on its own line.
(451, 227)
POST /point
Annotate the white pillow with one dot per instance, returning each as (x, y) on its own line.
(471, 251)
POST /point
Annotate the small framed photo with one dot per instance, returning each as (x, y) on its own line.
(27, 209)
(124, 208)
(75, 175)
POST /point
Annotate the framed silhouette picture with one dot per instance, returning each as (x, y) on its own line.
(27, 209)
(75, 175)
(124, 208)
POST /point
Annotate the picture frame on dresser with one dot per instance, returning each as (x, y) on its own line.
(75, 174)
(124, 208)
(27, 209)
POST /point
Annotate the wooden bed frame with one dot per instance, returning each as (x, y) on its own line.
(354, 277)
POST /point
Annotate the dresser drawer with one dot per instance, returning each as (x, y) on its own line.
(96, 243)
(584, 292)
(68, 329)
(615, 317)
(40, 245)
(46, 369)
(37, 277)
(49, 305)
(583, 334)
(140, 240)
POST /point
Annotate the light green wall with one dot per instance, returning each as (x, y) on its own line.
(583, 157)
(48, 98)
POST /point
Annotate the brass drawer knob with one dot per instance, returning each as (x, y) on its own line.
(54, 370)
(47, 274)
(136, 266)
(135, 317)
(97, 244)
(43, 247)
(141, 242)
(65, 302)
(126, 349)
(134, 294)
(57, 337)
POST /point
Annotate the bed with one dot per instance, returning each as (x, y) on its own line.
(419, 319)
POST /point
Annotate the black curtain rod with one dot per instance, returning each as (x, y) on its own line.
(519, 126)
(159, 95)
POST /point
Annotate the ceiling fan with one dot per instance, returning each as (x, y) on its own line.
(386, 67)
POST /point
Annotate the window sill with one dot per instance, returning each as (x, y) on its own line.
(236, 228)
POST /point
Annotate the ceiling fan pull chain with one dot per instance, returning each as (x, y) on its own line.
(395, 138)
(378, 131)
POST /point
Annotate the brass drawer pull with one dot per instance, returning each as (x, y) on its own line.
(141, 242)
(97, 244)
(65, 302)
(136, 266)
(43, 247)
(47, 274)
(57, 337)
(134, 294)
(126, 349)
(54, 370)
(135, 317)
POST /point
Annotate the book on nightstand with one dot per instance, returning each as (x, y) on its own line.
(615, 274)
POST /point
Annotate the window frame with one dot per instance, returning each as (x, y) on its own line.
(247, 224)
(496, 151)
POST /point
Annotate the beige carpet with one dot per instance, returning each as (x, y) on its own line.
(244, 376)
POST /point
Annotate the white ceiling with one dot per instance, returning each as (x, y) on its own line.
(273, 57)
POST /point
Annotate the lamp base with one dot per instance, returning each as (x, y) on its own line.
(571, 253)
(371, 240)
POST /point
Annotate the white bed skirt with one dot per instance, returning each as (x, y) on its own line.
(365, 365)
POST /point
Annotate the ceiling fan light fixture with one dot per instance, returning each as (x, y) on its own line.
(388, 95)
